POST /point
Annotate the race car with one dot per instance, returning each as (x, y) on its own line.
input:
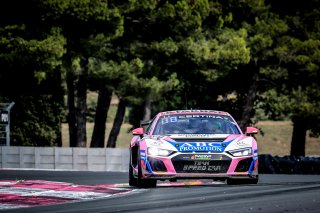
(193, 144)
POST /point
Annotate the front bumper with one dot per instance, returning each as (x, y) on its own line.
(199, 166)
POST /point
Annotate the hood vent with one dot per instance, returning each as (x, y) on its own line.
(199, 140)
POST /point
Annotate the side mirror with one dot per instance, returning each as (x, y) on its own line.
(251, 130)
(138, 131)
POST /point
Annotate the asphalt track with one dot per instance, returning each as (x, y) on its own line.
(273, 193)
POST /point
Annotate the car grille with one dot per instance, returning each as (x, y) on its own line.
(157, 165)
(215, 164)
(244, 165)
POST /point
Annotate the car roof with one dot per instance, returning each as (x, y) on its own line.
(216, 112)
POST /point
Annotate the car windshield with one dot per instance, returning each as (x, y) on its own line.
(195, 124)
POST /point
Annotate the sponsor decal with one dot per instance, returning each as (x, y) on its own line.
(195, 135)
(255, 154)
(202, 136)
(143, 157)
(243, 142)
(171, 119)
(155, 143)
(201, 166)
(208, 157)
(153, 137)
(200, 147)
(143, 154)
(203, 116)
(201, 157)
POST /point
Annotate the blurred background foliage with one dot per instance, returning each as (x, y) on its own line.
(62, 61)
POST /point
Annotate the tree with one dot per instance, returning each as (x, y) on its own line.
(199, 45)
(120, 78)
(83, 24)
(30, 60)
(103, 104)
(264, 29)
(297, 96)
(203, 57)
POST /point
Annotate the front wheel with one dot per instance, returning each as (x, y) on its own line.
(132, 180)
(144, 183)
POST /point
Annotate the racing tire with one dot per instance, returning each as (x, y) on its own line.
(144, 183)
(132, 180)
(231, 181)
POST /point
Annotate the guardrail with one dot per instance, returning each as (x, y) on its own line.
(117, 159)
(60, 158)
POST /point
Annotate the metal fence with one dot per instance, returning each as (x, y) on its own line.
(57, 158)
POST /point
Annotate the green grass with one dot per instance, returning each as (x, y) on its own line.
(277, 139)
(123, 139)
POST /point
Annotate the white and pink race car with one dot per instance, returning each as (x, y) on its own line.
(193, 144)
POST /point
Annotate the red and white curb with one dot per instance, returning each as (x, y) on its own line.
(17, 194)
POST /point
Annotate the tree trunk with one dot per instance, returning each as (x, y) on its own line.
(147, 107)
(71, 116)
(298, 140)
(58, 97)
(82, 106)
(99, 130)
(117, 123)
(247, 109)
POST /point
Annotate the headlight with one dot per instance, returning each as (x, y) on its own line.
(241, 152)
(153, 151)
